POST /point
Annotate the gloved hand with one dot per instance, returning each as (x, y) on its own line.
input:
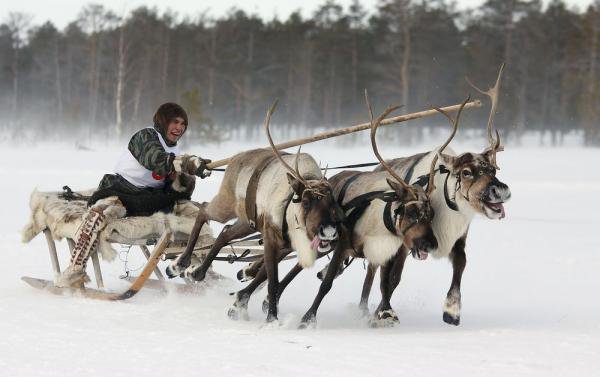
(202, 171)
(193, 165)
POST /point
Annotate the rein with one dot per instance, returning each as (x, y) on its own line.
(352, 166)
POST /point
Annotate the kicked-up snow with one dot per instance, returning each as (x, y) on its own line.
(530, 301)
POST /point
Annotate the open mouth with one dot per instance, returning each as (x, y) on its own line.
(419, 254)
(497, 208)
(321, 245)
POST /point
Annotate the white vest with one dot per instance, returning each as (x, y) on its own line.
(135, 173)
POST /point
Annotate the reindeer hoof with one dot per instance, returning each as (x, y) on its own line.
(174, 270)
(237, 313)
(364, 310)
(243, 276)
(449, 319)
(272, 318)
(384, 318)
(240, 275)
(265, 305)
(195, 273)
(307, 325)
(309, 320)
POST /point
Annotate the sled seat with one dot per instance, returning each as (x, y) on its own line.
(60, 219)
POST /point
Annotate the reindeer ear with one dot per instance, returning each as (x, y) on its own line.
(397, 187)
(297, 186)
(446, 159)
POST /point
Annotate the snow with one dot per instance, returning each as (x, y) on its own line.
(529, 292)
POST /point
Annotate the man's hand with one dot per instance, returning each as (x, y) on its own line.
(202, 171)
(192, 165)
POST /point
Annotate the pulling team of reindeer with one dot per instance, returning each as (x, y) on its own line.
(420, 205)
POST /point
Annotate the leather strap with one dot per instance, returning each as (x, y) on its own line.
(252, 188)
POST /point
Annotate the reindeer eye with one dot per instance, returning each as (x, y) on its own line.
(466, 173)
(305, 203)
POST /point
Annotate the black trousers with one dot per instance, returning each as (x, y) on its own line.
(138, 201)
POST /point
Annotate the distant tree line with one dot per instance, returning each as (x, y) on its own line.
(105, 74)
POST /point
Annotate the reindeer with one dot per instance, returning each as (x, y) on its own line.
(294, 210)
(382, 214)
(468, 186)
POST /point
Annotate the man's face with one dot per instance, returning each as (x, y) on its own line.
(175, 129)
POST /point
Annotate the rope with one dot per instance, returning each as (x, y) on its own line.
(352, 166)
(126, 269)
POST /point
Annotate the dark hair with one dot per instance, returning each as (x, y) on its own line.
(167, 112)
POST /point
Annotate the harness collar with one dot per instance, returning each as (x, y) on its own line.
(423, 181)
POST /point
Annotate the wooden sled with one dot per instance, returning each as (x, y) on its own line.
(99, 294)
(164, 249)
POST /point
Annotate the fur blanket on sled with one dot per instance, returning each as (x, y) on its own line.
(63, 218)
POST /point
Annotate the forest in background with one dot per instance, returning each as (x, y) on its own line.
(104, 74)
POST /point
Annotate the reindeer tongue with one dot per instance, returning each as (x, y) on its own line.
(502, 214)
(314, 244)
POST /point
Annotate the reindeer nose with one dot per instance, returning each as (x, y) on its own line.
(498, 192)
(327, 232)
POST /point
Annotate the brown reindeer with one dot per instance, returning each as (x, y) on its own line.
(291, 208)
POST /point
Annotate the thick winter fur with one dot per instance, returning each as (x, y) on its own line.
(472, 185)
(273, 194)
(370, 237)
(448, 225)
(63, 218)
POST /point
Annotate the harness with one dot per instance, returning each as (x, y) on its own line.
(250, 201)
(423, 181)
(252, 188)
(356, 207)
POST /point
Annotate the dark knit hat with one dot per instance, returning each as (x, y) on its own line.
(167, 112)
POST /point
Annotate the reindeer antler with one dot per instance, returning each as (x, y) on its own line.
(492, 93)
(454, 122)
(295, 172)
(374, 125)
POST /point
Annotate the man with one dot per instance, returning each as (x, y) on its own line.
(150, 176)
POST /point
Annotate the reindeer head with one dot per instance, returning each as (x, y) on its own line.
(320, 214)
(413, 212)
(475, 173)
(476, 183)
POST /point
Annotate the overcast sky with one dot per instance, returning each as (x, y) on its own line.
(61, 12)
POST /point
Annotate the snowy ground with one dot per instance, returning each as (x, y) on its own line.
(530, 290)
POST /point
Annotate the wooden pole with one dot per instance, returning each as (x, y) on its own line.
(356, 128)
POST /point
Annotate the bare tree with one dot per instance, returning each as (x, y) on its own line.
(17, 25)
(94, 18)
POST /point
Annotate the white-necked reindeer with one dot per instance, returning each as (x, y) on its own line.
(465, 186)
(291, 208)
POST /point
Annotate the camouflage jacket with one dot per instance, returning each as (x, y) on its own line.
(149, 152)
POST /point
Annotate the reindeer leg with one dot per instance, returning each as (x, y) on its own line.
(452, 303)
(239, 310)
(240, 306)
(237, 230)
(391, 273)
(366, 290)
(184, 259)
(282, 285)
(334, 265)
(271, 266)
